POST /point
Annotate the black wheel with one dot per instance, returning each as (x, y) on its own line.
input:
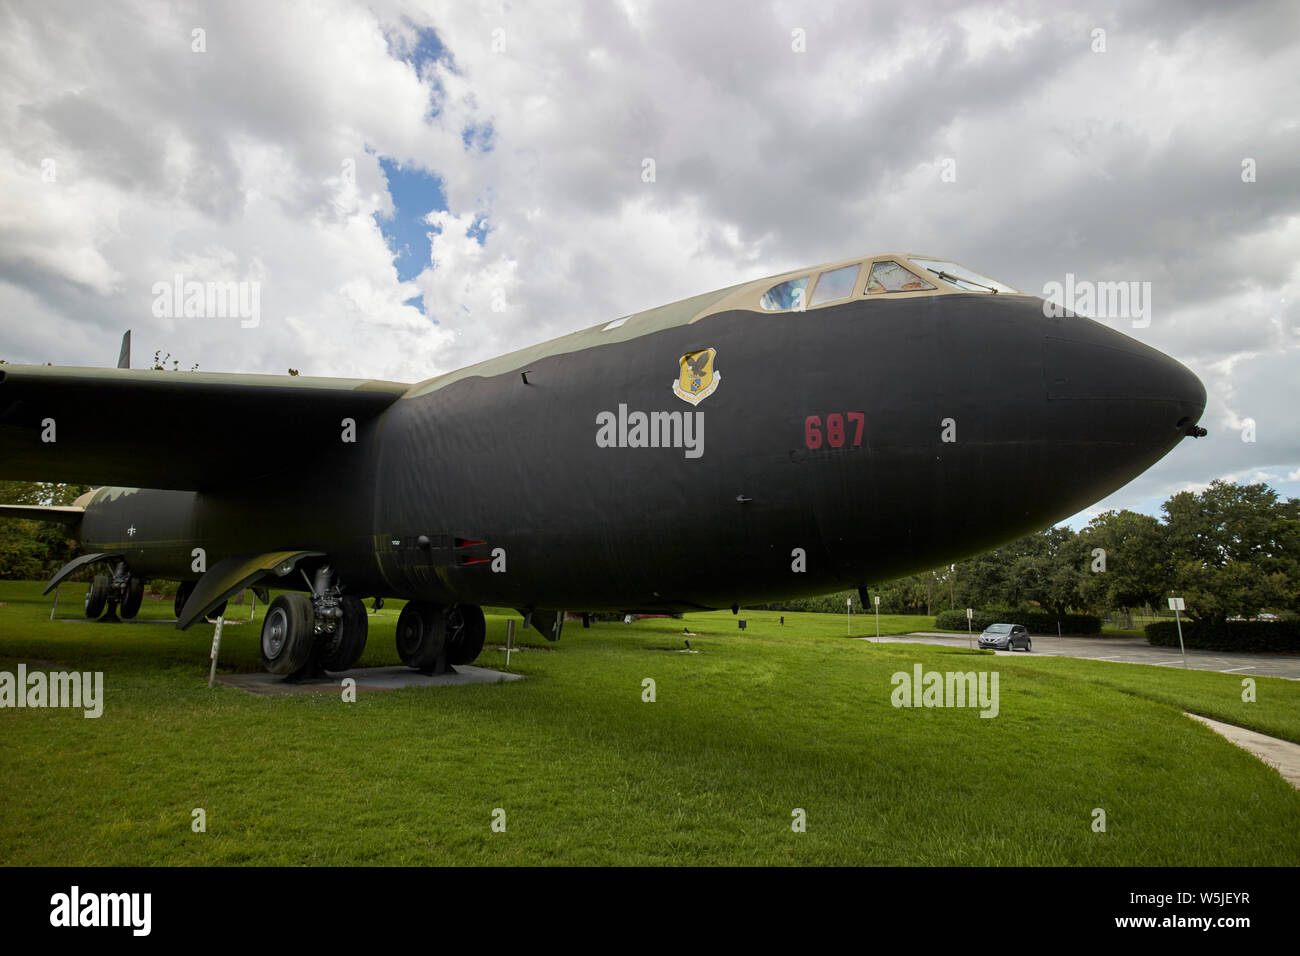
(220, 609)
(183, 592)
(343, 648)
(466, 630)
(131, 600)
(1029, 645)
(421, 634)
(287, 633)
(97, 596)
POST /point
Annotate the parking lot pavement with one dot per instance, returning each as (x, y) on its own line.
(1128, 650)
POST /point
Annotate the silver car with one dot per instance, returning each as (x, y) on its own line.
(1006, 637)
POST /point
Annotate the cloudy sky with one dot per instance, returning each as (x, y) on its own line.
(415, 186)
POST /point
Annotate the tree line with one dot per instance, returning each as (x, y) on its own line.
(1232, 550)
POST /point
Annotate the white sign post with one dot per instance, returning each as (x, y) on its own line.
(970, 638)
(877, 618)
(848, 618)
(216, 648)
(1176, 605)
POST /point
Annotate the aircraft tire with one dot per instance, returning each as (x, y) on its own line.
(131, 600)
(350, 637)
(466, 631)
(287, 633)
(97, 596)
(421, 634)
(183, 592)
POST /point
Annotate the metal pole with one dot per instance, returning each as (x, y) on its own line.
(1179, 621)
(55, 606)
(216, 649)
(510, 639)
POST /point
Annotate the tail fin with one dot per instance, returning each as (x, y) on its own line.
(124, 356)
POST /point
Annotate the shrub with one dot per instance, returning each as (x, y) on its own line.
(823, 603)
(1281, 636)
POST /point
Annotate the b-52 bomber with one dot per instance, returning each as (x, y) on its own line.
(813, 431)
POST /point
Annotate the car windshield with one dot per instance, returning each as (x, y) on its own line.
(998, 629)
(965, 279)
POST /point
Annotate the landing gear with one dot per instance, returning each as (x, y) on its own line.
(305, 635)
(466, 630)
(133, 594)
(422, 635)
(287, 634)
(342, 649)
(432, 637)
(119, 593)
(97, 595)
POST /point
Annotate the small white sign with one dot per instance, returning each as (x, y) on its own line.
(850, 602)
(877, 600)
(970, 613)
(1176, 604)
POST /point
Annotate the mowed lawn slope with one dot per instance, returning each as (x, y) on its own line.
(754, 725)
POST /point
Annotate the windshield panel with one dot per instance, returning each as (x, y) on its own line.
(998, 629)
(836, 284)
(889, 276)
(785, 295)
(965, 279)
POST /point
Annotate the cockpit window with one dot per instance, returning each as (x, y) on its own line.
(785, 295)
(889, 276)
(836, 284)
(965, 279)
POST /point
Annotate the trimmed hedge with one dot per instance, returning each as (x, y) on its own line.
(822, 603)
(1281, 636)
(1038, 622)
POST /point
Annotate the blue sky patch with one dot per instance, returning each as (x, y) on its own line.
(415, 193)
(478, 229)
(478, 137)
(428, 48)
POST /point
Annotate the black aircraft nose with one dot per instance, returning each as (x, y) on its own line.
(1114, 408)
(1134, 392)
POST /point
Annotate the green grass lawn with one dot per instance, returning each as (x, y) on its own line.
(753, 725)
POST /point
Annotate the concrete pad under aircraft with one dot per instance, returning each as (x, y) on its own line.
(367, 678)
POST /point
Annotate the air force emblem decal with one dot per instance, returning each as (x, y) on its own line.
(698, 379)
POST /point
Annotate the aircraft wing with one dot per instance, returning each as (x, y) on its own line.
(63, 514)
(169, 429)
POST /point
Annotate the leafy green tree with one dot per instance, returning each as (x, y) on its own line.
(1128, 561)
(1236, 549)
(32, 550)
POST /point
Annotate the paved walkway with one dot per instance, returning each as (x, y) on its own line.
(1130, 650)
(1282, 755)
